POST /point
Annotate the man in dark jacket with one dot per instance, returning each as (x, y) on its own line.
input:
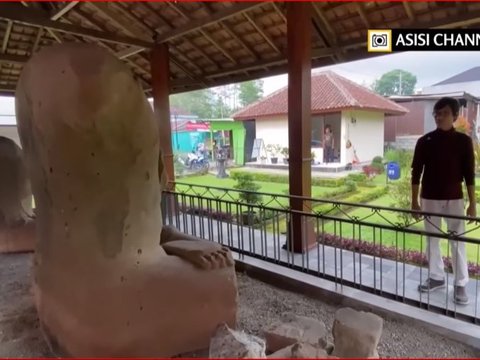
(445, 158)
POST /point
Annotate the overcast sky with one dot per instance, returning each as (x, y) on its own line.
(429, 67)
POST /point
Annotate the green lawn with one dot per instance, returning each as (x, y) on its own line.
(366, 233)
(389, 237)
(228, 183)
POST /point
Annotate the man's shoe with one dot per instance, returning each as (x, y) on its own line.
(460, 295)
(431, 285)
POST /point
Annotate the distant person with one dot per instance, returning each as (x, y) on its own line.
(445, 157)
(328, 144)
(351, 153)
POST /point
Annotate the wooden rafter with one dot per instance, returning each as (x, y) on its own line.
(316, 53)
(166, 23)
(13, 59)
(6, 37)
(124, 54)
(325, 22)
(126, 27)
(233, 10)
(38, 38)
(363, 15)
(105, 10)
(239, 40)
(261, 32)
(70, 5)
(11, 11)
(279, 12)
(203, 32)
(408, 10)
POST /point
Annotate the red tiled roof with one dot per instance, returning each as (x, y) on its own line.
(330, 92)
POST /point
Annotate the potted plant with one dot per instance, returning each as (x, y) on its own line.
(273, 150)
(284, 153)
(250, 197)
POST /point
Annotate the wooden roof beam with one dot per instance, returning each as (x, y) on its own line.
(237, 8)
(38, 38)
(264, 35)
(239, 40)
(104, 9)
(207, 7)
(13, 12)
(363, 15)
(279, 12)
(165, 22)
(316, 53)
(70, 5)
(6, 37)
(15, 59)
(408, 10)
(203, 32)
(323, 19)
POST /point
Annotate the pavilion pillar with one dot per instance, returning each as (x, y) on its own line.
(301, 234)
(159, 64)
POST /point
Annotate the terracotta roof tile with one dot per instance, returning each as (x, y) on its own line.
(330, 92)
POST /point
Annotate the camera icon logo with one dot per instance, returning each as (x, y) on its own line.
(379, 40)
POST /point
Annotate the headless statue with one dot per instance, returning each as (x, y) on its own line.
(17, 232)
(104, 284)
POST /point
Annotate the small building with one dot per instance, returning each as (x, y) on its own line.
(353, 112)
(467, 81)
(229, 135)
(403, 131)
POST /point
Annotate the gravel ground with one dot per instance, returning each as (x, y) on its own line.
(260, 305)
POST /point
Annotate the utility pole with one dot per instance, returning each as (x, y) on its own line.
(400, 89)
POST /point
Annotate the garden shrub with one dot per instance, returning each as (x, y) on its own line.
(414, 257)
(283, 179)
(245, 182)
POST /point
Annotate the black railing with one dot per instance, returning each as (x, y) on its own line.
(373, 248)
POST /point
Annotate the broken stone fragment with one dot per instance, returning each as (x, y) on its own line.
(356, 334)
(295, 329)
(300, 351)
(228, 343)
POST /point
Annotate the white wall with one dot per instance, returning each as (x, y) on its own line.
(365, 133)
(472, 87)
(273, 130)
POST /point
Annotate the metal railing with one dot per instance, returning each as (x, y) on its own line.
(377, 249)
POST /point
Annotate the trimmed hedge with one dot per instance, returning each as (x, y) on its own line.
(364, 197)
(358, 177)
(283, 179)
(414, 257)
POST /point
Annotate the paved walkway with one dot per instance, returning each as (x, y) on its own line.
(385, 275)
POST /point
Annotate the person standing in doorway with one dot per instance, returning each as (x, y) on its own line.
(444, 158)
(328, 144)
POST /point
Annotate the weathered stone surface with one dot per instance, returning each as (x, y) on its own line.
(15, 192)
(295, 329)
(91, 145)
(356, 333)
(300, 351)
(228, 343)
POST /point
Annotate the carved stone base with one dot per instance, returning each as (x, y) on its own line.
(18, 239)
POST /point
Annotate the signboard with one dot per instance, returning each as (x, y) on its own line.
(257, 148)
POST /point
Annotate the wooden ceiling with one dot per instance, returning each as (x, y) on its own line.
(210, 43)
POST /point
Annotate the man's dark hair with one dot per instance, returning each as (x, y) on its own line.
(452, 103)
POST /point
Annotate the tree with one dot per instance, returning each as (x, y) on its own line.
(250, 91)
(462, 125)
(395, 82)
(199, 102)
